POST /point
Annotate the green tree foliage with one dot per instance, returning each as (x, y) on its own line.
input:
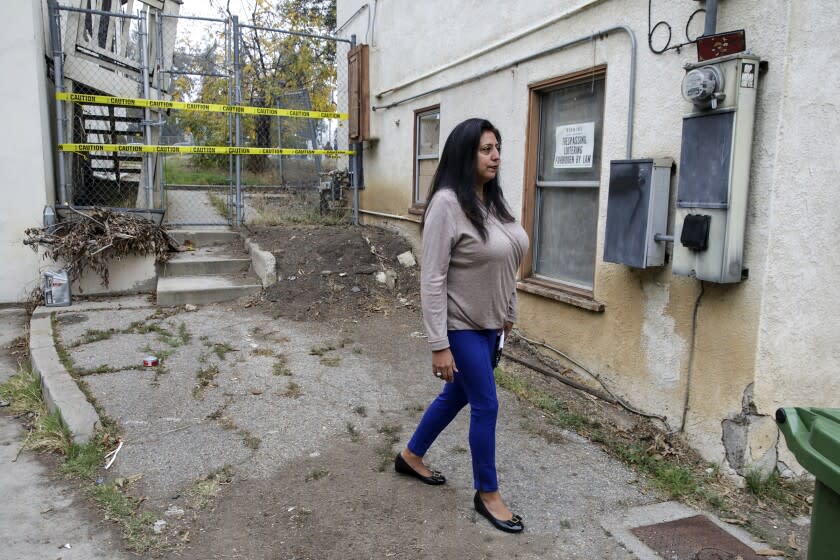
(275, 69)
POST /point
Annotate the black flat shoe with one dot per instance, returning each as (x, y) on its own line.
(404, 468)
(513, 525)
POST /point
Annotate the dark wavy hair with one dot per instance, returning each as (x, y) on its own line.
(457, 171)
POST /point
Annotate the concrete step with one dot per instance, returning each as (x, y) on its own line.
(180, 290)
(203, 266)
(205, 237)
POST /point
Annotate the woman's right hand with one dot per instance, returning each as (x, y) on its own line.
(443, 364)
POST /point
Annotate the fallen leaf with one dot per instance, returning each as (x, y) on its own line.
(256, 392)
(733, 520)
(769, 552)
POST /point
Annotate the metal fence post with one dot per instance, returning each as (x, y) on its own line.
(237, 91)
(58, 70)
(159, 76)
(147, 113)
(355, 161)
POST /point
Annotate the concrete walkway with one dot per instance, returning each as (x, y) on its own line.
(277, 405)
(41, 514)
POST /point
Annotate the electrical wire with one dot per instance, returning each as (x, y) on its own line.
(668, 47)
(691, 356)
(595, 376)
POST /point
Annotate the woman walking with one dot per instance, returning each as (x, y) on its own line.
(472, 247)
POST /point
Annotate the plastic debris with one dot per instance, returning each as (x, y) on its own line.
(174, 511)
(158, 526)
(113, 456)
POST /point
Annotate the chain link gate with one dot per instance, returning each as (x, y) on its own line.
(151, 119)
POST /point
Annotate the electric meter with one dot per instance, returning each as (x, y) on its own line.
(703, 86)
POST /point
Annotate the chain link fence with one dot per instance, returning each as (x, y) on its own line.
(199, 189)
(120, 65)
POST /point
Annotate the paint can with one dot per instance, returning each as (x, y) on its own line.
(56, 286)
(150, 361)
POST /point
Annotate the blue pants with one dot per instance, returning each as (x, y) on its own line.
(474, 384)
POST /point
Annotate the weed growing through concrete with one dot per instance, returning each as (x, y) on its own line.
(204, 491)
(331, 361)
(124, 510)
(93, 335)
(386, 452)
(357, 350)
(317, 474)
(206, 378)
(293, 390)
(391, 433)
(222, 350)
(353, 431)
(321, 350)
(97, 370)
(361, 410)
(281, 367)
(250, 440)
(262, 352)
(184, 334)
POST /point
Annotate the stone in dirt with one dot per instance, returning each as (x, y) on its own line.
(407, 259)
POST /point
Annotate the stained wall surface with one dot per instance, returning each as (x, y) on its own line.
(697, 353)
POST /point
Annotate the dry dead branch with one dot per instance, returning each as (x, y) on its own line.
(97, 237)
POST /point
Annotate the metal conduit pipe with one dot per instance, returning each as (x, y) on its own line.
(348, 20)
(711, 17)
(492, 47)
(597, 35)
(389, 216)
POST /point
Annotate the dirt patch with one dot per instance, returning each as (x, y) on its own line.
(330, 272)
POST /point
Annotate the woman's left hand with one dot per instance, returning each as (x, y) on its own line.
(508, 326)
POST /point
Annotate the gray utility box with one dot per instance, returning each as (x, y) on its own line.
(637, 210)
(715, 160)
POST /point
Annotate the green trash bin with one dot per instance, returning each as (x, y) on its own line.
(813, 436)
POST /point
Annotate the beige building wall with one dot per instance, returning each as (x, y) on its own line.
(715, 358)
(26, 181)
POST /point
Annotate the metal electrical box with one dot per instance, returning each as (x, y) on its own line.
(714, 168)
(637, 210)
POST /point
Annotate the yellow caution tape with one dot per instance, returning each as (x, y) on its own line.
(221, 150)
(202, 107)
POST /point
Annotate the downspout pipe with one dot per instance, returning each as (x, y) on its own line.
(711, 17)
(631, 101)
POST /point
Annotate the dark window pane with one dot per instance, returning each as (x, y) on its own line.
(567, 222)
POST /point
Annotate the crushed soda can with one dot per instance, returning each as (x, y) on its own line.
(150, 361)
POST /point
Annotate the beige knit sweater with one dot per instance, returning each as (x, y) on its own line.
(465, 282)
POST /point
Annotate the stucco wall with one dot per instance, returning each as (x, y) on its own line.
(26, 182)
(748, 338)
(799, 334)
